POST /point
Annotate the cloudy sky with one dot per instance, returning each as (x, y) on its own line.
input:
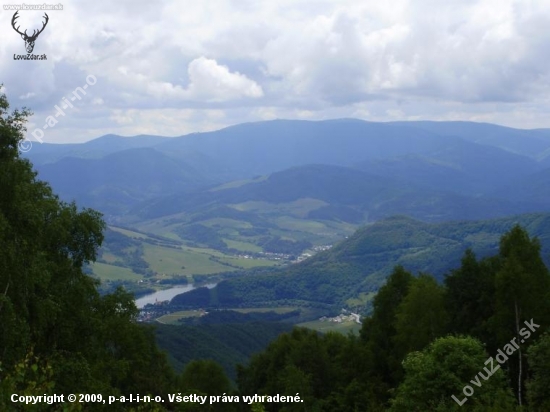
(176, 67)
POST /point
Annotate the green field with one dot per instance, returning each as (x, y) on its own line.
(129, 233)
(180, 261)
(298, 208)
(248, 263)
(173, 318)
(238, 183)
(193, 254)
(326, 326)
(286, 220)
(110, 272)
(242, 246)
(278, 310)
(165, 261)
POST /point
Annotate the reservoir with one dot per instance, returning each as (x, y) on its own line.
(168, 294)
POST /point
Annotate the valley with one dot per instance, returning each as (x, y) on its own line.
(316, 215)
(239, 206)
(199, 212)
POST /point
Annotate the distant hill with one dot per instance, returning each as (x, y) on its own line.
(96, 148)
(534, 143)
(347, 273)
(531, 189)
(118, 180)
(341, 192)
(463, 167)
(264, 147)
(456, 157)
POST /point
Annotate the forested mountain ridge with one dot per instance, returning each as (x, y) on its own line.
(119, 180)
(350, 271)
(484, 155)
(374, 196)
(425, 344)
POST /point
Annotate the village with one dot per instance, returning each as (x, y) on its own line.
(345, 316)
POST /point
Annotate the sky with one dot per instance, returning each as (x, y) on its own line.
(176, 67)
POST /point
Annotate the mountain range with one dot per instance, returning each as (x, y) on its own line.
(289, 186)
(117, 174)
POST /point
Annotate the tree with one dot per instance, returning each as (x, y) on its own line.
(421, 317)
(328, 371)
(205, 376)
(469, 297)
(378, 331)
(538, 356)
(48, 306)
(442, 370)
(522, 288)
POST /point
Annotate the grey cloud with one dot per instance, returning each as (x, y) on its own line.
(310, 58)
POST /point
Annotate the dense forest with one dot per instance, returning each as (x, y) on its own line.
(479, 341)
(57, 334)
(425, 342)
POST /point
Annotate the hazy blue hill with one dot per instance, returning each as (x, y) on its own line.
(533, 189)
(264, 147)
(526, 142)
(428, 170)
(329, 183)
(360, 264)
(119, 180)
(96, 148)
(545, 162)
(373, 196)
(113, 143)
(462, 167)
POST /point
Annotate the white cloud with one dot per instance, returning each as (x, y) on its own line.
(252, 60)
(208, 82)
(27, 95)
(214, 82)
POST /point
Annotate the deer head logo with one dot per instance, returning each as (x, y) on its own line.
(29, 40)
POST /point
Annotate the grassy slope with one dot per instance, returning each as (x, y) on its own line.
(352, 270)
(167, 259)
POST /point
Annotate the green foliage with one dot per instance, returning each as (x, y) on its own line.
(379, 330)
(522, 286)
(441, 370)
(49, 308)
(205, 376)
(228, 344)
(522, 283)
(470, 296)
(328, 371)
(31, 377)
(537, 386)
(401, 353)
(421, 316)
